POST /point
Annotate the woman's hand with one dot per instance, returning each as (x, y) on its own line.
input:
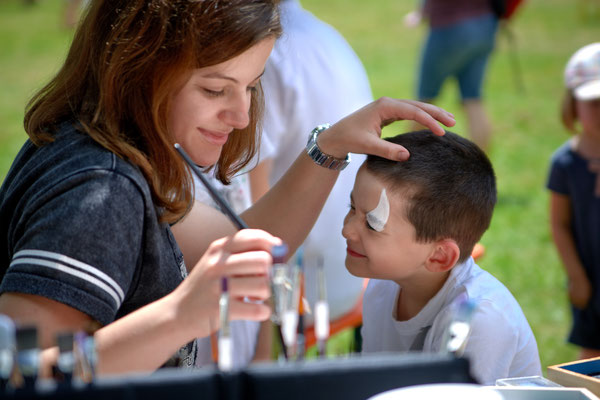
(360, 132)
(244, 258)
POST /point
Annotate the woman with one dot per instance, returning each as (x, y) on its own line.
(87, 206)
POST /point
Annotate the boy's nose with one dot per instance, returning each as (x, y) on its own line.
(347, 231)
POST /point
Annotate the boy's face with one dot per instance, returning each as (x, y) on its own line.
(381, 245)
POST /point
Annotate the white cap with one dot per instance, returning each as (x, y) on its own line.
(582, 74)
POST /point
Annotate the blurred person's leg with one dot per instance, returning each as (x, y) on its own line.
(481, 33)
(436, 63)
(479, 126)
(432, 71)
(585, 331)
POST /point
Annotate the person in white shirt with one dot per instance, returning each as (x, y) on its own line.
(313, 76)
(411, 228)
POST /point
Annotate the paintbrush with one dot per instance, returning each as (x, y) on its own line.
(224, 346)
(235, 219)
(321, 311)
(301, 342)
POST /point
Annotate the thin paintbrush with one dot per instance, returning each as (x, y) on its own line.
(321, 310)
(225, 343)
(235, 219)
(300, 342)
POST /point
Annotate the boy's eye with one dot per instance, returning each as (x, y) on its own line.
(369, 226)
(351, 206)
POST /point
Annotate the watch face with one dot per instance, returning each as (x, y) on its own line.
(320, 158)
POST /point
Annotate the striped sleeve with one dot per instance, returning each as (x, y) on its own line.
(54, 263)
(80, 244)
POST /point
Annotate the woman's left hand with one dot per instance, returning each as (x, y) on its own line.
(360, 132)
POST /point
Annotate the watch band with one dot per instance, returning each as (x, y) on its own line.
(320, 158)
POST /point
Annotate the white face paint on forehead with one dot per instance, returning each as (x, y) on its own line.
(378, 217)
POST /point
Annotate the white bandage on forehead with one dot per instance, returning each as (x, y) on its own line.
(378, 217)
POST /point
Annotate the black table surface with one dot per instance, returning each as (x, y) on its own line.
(357, 377)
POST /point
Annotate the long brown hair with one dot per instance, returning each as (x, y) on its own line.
(126, 60)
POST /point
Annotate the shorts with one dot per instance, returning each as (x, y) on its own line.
(459, 50)
(586, 327)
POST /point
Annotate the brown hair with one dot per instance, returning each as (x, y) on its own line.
(568, 112)
(127, 59)
(450, 185)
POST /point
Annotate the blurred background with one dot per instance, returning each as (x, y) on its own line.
(523, 90)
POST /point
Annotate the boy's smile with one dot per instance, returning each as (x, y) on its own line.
(352, 253)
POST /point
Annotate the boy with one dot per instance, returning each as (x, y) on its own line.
(411, 228)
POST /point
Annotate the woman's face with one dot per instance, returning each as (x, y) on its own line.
(214, 101)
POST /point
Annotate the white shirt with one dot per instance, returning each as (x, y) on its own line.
(501, 343)
(312, 77)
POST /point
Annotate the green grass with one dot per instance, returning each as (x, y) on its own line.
(519, 249)
(32, 47)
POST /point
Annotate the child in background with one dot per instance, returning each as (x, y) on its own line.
(411, 228)
(575, 197)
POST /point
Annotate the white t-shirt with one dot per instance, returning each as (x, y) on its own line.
(313, 77)
(501, 343)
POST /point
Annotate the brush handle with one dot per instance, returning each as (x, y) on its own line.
(237, 221)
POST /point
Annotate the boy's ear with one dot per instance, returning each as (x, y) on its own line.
(444, 256)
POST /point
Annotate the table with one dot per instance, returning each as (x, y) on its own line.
(357, 377)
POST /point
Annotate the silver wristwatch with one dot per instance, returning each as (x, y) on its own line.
(320, 158)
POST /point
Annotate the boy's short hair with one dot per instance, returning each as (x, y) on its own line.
(449, 183)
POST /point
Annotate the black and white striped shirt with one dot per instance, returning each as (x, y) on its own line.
(78, 226)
